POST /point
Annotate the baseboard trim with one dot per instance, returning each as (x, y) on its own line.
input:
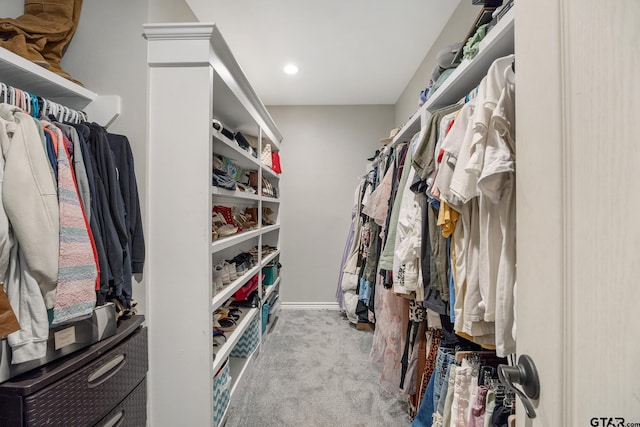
(310, 306)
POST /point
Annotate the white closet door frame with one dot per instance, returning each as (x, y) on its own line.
(578, 169)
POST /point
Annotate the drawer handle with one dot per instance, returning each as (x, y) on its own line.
(106, 371)
(116, 420)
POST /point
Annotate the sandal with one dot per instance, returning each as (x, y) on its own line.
(227, 325)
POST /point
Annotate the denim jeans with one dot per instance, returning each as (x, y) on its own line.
(443, 392)
(424, 417)
(445, 358)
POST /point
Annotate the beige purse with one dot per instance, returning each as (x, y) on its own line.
(266, 155)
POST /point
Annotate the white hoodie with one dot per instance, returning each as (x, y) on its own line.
(29, 240)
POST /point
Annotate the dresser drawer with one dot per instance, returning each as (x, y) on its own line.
(84, 398)
(131, 412)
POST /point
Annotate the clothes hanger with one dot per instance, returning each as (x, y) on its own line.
(36, 106)
(27, 102)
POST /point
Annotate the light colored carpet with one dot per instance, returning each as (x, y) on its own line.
(314, 370)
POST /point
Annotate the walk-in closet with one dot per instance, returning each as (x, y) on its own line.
(286, 213)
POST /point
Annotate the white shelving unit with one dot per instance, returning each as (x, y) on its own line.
(497, 43)
(191, 65)
(26, 75)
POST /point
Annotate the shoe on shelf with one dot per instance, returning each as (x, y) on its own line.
(242, 220)
(220, 271)
(231, 269)
(227, 230)
(218, 220)
(227, 324)
(266, 214)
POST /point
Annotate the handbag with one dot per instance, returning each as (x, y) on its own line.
(8, 321)
(246, 290)
(275, 162)
(266, 155)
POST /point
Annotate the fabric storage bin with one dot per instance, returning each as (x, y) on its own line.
(270, 272)
(265, 316)
(249, 340)
(221, 393)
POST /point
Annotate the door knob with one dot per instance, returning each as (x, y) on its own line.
(526, 375)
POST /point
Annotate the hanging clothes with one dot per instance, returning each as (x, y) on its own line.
(69, 211)
(31, 245)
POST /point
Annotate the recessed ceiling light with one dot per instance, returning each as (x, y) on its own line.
(291, 69)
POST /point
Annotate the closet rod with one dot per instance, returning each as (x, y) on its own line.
(39, 107)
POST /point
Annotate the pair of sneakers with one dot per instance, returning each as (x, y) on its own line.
(223, 274)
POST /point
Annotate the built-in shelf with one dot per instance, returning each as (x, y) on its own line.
(270, 199)
(409, 128)
(228, 148)
(271, 289)
(498, 42)
(270, 228)
(191, 64)
(223, 351)
(270, 258)
(237, 194)
(268, 172)
(237, 368)
(24, 74)
(230, 289)
(227, 242)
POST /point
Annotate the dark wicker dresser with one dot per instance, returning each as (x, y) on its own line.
(101, 385)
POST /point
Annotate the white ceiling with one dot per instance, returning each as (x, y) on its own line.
(348, 51)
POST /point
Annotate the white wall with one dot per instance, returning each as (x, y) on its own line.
(11, 8)
(323, 153)
(170, 11)
(454, 31)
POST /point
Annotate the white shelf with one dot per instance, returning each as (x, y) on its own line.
(228, 148)
(227, 242)
(238, 367)
(230, 289)
(24, 74)
(271, 289)
(217, 191)
(270, 228)
(270, 257)
(232, 339)
(408, 129)
(191, 64)
(497, 43)
(270, 199)
(268, 172)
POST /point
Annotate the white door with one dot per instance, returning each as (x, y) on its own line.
(578, 178)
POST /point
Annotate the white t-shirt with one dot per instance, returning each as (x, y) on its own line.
(497, 186)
